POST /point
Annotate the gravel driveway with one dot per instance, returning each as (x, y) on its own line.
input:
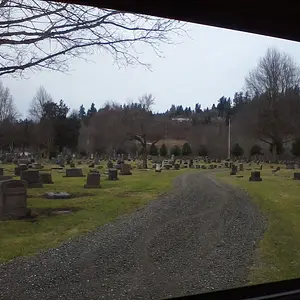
(200, 237)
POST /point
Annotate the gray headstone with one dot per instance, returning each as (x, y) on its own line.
(13, 199)
(32, 177)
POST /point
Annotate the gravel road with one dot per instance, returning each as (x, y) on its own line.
(200, 237)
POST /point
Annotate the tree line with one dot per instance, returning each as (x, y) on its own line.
(264, 118)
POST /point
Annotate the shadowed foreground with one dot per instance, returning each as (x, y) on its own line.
(200, 237)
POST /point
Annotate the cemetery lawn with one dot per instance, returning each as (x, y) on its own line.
(90, 208)
(278, 255)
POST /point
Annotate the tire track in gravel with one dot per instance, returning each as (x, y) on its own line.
(199, 237)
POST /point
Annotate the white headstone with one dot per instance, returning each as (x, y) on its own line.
(157, 167)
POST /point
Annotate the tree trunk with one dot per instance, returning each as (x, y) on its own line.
(145, 156)
(274, 154)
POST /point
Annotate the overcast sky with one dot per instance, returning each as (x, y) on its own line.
(210, 63)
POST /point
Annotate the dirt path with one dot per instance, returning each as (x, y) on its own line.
(200, 237)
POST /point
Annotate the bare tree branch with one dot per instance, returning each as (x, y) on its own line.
(46, 35)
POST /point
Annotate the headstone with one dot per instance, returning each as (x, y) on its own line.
(112, 174)
(13, 199)
(157, 168)
(5, 177)
(32, 177)
(296, 176)
(46, 178)
(62, 162)
(92, 181)
(197, 166)
(233, 170)
(19, 169)
(125, 169)
(74, 172)
(211, 166)
(9, 157)
(53, 160)
(167, 167)
(91, 165)
(72, 164)
(226, 164)
(176, 166)
(23, 161)
(241, 167)
(37, 166)
(1, 171)
(255, 176)
(57, 195)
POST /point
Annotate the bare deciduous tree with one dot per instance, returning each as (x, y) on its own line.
(8, 109)
(275, 108)
(147, 101)
(45, 34)
(36, 107)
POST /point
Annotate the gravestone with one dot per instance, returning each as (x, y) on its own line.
(23, 161)
(74, 172)
(197, 166)
(91, 165)
(62, 161)
(255, 176)
(176, 166)
(203, 167)
(92, 181)
(5, 177)
(296, 176)
(57, 195)
(9, 157)
(112, 174)
(167, 166)
(13, 199)
(211, 166)
(226, 164)
(233, 170)
(125, 169)
(46, 178)
(20, 169)
(1, 171)
(241, 167)
(157, 168)
(37, 166)
(72, 164)
(32, 177)
(118, 166)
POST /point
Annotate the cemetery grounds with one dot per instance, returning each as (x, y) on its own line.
(277, 196)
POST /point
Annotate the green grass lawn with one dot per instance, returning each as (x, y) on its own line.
(278, 197)
(91, 208)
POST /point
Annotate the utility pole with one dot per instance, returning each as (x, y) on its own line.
(229, 137)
